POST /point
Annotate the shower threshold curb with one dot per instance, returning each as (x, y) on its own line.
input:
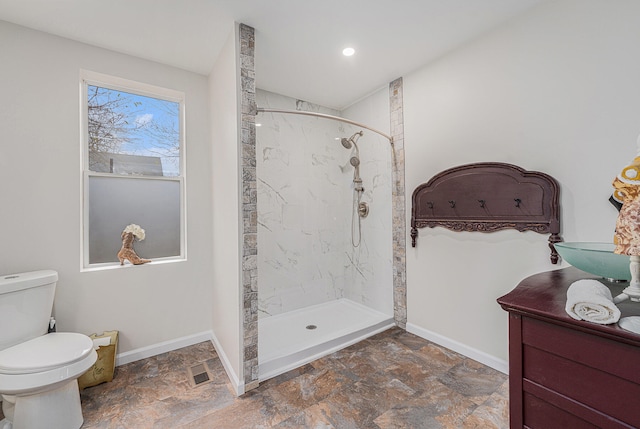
(279, 365)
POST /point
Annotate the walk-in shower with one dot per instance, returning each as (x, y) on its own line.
(320, 263)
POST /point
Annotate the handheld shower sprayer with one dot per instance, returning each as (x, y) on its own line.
(355, 160)
(357, 181)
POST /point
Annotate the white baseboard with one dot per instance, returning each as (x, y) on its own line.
(178, 343)
(235, 380)
(463, 349)
(238, 386)
(163, 347)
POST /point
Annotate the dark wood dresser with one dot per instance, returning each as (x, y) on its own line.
(565, 373)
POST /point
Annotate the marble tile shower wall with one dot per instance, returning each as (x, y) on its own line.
(305, 200)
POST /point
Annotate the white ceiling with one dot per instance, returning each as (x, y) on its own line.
(298, 42)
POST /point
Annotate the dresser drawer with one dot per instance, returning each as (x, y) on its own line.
(540, 414)
(597, 391)
(616, 358)
(598, 375)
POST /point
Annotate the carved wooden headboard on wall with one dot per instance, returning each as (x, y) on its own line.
(486, 197)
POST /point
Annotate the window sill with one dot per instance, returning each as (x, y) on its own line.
(117, 266)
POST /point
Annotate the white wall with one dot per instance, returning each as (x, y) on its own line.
(554, 91)
(372, 283)
(304, 186)
(40, 190)
(225, 127)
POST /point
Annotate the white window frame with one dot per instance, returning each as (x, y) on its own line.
(88, 78)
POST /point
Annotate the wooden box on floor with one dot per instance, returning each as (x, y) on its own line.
(102, 371)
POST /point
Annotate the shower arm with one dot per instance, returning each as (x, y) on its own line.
(325, 116)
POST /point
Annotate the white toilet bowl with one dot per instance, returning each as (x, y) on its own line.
(38, 381)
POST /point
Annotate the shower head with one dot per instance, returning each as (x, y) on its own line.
(355, 161)
(351, 141)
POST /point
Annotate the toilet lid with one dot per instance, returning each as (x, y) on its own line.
(46, 352)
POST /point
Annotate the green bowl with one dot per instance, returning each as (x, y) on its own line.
(596, 258)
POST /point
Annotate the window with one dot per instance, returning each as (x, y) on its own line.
(133, 169)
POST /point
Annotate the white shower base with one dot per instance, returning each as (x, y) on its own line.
(285, 343)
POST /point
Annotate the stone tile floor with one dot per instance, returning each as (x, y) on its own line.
(392, 380)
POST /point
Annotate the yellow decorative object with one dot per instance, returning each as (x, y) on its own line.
(624, 191)
(627, 184)
(627, 191)
(631, 173)
(102, 371)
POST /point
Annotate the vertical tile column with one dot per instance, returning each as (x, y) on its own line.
(249, 209)
(398, 205)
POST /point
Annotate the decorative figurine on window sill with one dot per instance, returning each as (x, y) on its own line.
(130, 233)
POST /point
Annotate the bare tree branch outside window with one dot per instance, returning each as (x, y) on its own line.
(132, 134)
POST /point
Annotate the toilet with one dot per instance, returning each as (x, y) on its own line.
(38, 371)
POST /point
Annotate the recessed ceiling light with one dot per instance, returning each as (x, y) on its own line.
(347, 52)
(258, 125)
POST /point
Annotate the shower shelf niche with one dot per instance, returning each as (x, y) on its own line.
(487, 197)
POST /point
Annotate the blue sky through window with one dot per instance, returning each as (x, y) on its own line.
(130, 124)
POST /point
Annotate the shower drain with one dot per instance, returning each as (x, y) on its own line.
(311, 327)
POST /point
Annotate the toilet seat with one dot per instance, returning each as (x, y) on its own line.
(35, 382)
(45, 353)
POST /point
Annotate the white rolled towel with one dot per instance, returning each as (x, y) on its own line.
(590, 300)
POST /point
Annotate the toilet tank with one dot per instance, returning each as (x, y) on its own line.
(26, 301)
